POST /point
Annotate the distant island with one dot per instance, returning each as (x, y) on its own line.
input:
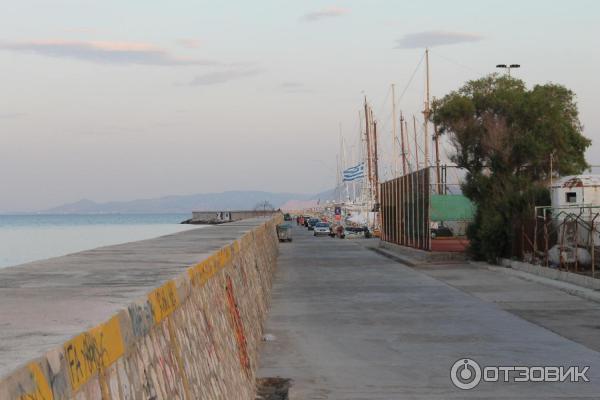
(229, 200)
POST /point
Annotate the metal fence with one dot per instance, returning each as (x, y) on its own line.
(428, 199)
(405, 210)
(565, 238)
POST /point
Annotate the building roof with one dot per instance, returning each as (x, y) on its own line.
(577, 181)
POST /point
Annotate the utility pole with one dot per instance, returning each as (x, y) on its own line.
(551, 171)
(394, 152)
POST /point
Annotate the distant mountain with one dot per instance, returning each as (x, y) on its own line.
(231, 200)
(300, 204)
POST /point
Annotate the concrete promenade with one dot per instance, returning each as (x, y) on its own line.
(45, 303)
(352, 324)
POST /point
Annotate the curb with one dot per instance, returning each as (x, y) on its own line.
(411, 262)
(570, 288)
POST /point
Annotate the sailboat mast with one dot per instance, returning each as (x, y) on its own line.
(359, 155)
(338, 174)
(402, 144)
(394, 152)
(437, 160)
(369, 155)
(416, 143)
(375, 166)
(341, 162)
(408, 163)
(426, 111)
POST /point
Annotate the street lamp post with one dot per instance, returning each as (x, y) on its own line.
(508, 67)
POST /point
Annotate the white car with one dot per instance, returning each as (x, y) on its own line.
(321, 228)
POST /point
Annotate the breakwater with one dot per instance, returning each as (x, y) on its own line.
(221, 217)
(176, 317)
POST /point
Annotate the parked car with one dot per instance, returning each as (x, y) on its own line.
(287, 217)
(441, 231)
(312, 222)
(284, 232)
(357, 231)
(322, 228)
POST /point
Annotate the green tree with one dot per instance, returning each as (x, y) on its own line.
(504, 135)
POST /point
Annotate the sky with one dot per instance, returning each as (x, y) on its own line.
(119, 100)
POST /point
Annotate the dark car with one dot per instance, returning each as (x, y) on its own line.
(312, 222)
(287, 217)
(441, 231)
(355, 231)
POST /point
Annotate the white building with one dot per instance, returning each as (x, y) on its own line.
(575, 210)
(576, 191)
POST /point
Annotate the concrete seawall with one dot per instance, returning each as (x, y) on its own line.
(220, 217)
(177, 317)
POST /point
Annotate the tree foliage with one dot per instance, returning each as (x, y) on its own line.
(505, 135)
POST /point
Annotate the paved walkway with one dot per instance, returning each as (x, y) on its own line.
(352, 324)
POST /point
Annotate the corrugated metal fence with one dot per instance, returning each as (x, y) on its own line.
(415, 204)
(405, 210)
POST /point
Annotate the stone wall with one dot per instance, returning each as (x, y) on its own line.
(194, 337)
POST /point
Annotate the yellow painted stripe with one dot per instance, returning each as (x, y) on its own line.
(164, 300)
(92, 351)
(42, 389)
(200, 273)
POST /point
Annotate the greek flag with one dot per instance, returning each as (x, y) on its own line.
(356, 172)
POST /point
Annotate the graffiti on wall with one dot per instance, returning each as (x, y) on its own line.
(92, 351)
(238, 326)
(163, 301)
(42, 390)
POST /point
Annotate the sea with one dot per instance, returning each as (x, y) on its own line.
(25, 238)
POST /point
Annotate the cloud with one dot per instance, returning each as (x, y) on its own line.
(324, 13)
(435, 38)
(216, 77)
(291, 85)
(294, 87)
(81, 30)
(12, 115)
(103, 52)
(189, 43)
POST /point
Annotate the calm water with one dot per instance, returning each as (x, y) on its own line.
(25, 238)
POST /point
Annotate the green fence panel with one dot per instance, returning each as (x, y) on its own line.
(451, 207)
